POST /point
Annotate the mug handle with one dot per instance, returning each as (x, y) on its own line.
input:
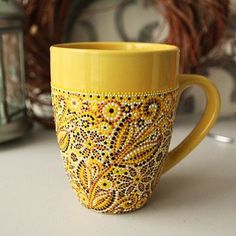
(204, 124)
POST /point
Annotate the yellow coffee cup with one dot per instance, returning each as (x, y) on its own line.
(114, 106)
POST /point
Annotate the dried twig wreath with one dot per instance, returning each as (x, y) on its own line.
(196, 26)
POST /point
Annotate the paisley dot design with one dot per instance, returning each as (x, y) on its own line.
(114, 145)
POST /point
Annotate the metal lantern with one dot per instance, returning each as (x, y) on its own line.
(13, 118)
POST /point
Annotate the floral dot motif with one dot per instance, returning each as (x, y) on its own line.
(74, 103)
(151, 108)
(114, 145)
(136, 114)
(111, 111)
(87, 121)
(105, 184)
(104, 128)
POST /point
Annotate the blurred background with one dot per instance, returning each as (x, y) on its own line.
(205, 31)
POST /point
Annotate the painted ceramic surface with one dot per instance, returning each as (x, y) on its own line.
(114, 145)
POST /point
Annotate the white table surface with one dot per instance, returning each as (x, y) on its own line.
(197, 197)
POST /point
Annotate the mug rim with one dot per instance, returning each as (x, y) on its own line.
(135, 67)
(116, 47)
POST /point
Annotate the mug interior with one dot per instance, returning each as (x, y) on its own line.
(118, 46)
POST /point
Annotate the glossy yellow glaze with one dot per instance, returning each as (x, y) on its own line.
(114, 106)
(114, 67)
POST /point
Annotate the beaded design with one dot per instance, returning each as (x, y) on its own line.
(113, 145)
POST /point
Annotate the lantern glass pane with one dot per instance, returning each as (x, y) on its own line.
(12, 72)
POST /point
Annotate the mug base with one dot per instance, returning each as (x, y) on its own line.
(117, 212)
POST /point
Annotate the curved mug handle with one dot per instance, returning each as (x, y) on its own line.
(205, 123)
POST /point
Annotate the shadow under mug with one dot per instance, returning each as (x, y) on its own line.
(114, 106)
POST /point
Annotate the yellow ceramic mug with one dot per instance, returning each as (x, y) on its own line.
(114, 106)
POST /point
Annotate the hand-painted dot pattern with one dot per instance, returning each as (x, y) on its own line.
(114, 145)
